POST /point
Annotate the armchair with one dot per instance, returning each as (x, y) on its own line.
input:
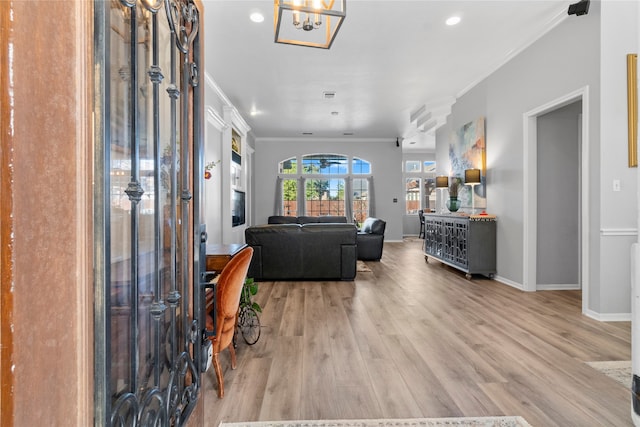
(370, 239)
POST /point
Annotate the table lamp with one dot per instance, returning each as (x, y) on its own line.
(472, 178)
(442, 182)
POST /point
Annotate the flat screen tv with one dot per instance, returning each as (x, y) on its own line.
(237, 208)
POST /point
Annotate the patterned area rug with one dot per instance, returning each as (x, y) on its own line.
(619, 370)
(413, 422)
(361, 267)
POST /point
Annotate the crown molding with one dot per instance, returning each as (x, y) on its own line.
(237, 120)
(216, 119)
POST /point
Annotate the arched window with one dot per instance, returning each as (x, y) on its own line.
(325, 184)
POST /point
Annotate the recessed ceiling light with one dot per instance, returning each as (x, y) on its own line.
(412, 142)
(453, 20)
(256, 17)
(335, 113)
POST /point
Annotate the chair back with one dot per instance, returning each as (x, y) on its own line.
(228, 292)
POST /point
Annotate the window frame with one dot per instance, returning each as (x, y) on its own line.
(347, 176)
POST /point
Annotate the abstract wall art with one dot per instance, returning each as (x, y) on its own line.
(467, 150)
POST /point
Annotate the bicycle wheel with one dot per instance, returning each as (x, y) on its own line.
(249, 323)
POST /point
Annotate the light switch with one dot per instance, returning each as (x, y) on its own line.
(616, 185)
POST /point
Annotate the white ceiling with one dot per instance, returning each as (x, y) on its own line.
(389, 59)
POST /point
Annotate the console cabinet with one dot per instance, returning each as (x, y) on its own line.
(467, 243)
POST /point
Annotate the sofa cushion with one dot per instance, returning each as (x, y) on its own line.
(307, 219)
(333, 219)
(324, 219)
(323, 250)
(282, 219)
(276, 251)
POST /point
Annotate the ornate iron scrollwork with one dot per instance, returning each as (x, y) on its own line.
(155, 380)
(153, 6)
(134, 191)
(194, 77)
(182, 395)
(184, 20)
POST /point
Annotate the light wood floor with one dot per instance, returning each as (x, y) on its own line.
(416, 339)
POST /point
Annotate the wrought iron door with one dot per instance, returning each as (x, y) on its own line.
(147, 234)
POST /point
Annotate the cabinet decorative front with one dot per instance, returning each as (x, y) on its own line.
(467, 243)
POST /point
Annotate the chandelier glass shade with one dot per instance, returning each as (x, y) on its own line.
(312, 23)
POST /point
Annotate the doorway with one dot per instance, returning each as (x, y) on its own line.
(532, 191)
(558, 200)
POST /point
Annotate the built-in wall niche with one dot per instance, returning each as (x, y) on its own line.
(236, 144)
(236, 159)
(236, 174)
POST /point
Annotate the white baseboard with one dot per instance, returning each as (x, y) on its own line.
(509, 282)
(601, 317)
(559, 287)
(609, 317)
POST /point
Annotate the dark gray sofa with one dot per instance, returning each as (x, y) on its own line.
(370, 239)
(310, 251)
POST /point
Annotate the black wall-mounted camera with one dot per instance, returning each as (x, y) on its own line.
(580, 8)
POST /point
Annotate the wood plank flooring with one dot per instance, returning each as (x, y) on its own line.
(416, 339)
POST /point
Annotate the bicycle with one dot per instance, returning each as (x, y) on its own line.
(248, 320)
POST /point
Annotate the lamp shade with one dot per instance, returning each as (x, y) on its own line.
(472, 176)
(442, 181)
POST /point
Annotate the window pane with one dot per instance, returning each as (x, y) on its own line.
(360, 166)
(360, 200)
(412, 166)
(324, 196)
(429, 194)
(290, 197)
(430, 167)
(325, 164)
(288, 166)
(412, 195)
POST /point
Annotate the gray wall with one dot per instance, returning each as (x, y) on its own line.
(586, 51)
(385, 157)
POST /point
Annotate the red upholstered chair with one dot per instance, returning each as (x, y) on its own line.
(228, 291)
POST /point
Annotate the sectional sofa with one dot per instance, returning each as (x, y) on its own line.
(312, 248)
(309, 251)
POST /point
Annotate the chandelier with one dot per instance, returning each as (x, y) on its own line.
(312, 23)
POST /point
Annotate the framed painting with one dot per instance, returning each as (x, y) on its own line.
(467, 150)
